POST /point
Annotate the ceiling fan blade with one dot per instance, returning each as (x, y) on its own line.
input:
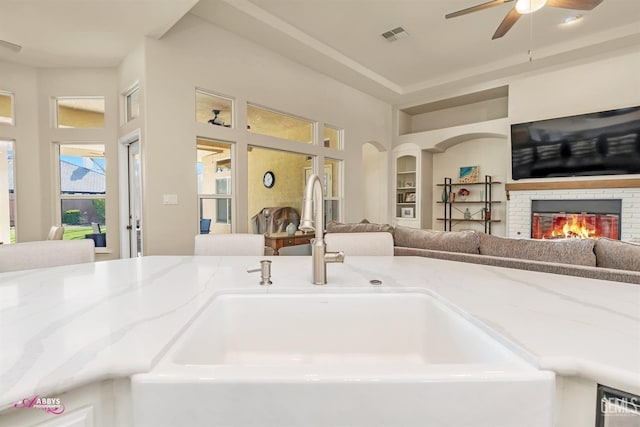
(476, 8)
(11, 46)
(506, 23)
(574, 4)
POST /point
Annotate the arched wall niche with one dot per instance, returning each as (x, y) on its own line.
(445, 144)
(487, 150)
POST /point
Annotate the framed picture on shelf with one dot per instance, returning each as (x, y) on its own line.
(469, 174)
(410, 197)
(406, 213)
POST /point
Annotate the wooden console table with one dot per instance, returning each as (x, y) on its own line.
(280, 240)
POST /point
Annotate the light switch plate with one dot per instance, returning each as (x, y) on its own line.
(169, 199)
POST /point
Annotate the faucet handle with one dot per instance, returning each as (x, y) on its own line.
(334, 256)
(265, 269)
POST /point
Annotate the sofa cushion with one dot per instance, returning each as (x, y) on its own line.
(449, 241)
(564, 251)
(617, 254)
(361, 227)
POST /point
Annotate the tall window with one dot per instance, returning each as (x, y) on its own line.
(333, 189)
(7, 194)
(6, 108)
(267, 122)
(80, 112)
(82, 184)
(213, 109)
(214, 167)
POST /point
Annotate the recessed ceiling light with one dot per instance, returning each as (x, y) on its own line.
(571, 19)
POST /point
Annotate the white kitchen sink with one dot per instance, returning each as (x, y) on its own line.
(340, 358)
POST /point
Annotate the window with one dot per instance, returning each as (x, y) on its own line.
(7, 194)
(289, 170)
(214, 170)
(82, 195)
(213, 109)
(333, 189)
(80, 112)
(332, 137)
(279, 125)
(6, 108)
(132, 104)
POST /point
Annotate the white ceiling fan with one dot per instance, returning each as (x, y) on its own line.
(523, 7)
(11, 46)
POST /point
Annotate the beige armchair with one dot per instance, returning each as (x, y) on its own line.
(46, 253)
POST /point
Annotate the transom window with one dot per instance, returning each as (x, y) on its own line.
(268, 122)
(6, 108)
(213, 109)
(80, 112)
(332, 137)
(132, 104)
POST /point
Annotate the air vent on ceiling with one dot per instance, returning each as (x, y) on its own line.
(395, 34)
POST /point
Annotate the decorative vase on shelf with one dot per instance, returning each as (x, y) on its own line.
(445, 195)
(467, 214)
(463, 193)
(291, 229)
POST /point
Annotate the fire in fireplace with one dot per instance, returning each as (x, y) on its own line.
(585, 219)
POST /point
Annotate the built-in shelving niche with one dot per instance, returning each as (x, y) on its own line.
(474, 107)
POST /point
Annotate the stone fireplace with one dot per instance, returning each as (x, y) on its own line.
(623, 220)
(587, 219)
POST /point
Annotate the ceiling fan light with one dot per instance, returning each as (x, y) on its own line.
(529, 6)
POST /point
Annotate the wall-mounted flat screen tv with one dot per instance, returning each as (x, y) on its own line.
(604, 143)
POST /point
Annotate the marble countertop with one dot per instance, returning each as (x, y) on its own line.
(68, 326)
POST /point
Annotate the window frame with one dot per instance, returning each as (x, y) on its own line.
(56, 115)
(313, 123)
(59, 196)
(127, 105)
(339, 131)
(13, 107)
(231, 212)
(213, 94)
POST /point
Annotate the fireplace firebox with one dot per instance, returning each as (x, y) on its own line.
(587, 219)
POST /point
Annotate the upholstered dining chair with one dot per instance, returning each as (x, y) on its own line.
(45, 253)
(55, 233)
(229, 244)
(365, 243)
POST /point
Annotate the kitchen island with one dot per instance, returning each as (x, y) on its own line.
(93, 326)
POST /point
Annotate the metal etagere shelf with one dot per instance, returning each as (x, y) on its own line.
(486, 201)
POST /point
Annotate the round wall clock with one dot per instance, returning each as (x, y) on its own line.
(269, 179)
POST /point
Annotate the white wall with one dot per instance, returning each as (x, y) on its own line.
(57, 82)
(197, 54)
(29, 179)
(593, 84)
(375, 173)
